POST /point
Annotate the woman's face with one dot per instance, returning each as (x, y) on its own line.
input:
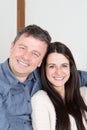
(57, 69)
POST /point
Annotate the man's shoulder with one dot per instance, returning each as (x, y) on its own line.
(37, 73)
(82, 78)
(3, 64)
(3, 68)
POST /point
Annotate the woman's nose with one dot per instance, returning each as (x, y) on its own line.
(58, 70)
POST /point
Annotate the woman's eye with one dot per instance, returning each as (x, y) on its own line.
(51, 66)
(65, 66)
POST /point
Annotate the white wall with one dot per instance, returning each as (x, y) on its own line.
(66, 21)
(7, 26)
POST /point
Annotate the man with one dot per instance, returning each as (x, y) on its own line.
(19, 77)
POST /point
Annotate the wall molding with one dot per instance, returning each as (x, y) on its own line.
(20, 14)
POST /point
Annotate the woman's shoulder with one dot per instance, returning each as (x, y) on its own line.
(40, 95)
(83, 91)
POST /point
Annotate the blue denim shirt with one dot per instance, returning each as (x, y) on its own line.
(83, 77)
(15, 99)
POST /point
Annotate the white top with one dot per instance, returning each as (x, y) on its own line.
(43, 111)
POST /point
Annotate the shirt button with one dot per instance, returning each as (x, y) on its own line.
(24, 85)
(24, 122)
(28, 101)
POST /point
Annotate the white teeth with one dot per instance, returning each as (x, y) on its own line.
(58, 78)
(23, 63)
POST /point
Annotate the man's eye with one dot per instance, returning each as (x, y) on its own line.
(21, 47)
(36, 54)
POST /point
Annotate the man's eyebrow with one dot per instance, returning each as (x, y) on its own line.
(22, 45)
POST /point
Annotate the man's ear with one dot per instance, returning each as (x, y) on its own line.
(12, 45)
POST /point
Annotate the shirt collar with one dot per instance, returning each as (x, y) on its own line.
(13, 80)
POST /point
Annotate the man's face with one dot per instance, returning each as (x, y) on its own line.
(26, 55)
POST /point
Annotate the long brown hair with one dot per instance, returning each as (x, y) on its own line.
(74, 103)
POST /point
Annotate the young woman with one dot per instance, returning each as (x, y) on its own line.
(61, 105)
